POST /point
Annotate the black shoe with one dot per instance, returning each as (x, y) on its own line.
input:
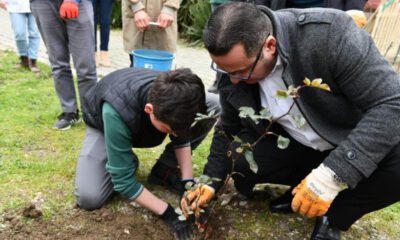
(282, 204)
(166, 176)
(66, 120)
(323, 231)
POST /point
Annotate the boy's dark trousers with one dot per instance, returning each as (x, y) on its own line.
(293, 164)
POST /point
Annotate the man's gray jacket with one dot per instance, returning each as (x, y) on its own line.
(361, 115)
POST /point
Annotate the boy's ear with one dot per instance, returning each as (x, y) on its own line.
(148, 108)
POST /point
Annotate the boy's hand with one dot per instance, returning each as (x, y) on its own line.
(182, 229)
(165, 20)
(142, 20)
(314, 195)
(197, 199)
(69, 9)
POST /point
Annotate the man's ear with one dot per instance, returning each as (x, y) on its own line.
(148, 108)
(270, 44)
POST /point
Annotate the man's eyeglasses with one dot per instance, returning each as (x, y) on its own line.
(238, 75)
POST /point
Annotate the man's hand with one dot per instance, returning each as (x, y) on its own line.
(165, 20)
(69, 9)
(314, 195)
(142, 20)
(196, 199)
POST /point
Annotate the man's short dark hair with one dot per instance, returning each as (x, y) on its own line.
(234, 23)
(176, 97)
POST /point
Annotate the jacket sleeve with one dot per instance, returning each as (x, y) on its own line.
(368, 81)
(169, 6)
(219, 164)
(122, 163)
(135, 5)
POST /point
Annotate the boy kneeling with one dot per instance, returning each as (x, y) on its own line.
(138, 108)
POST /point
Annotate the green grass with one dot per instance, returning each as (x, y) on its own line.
(35, 158)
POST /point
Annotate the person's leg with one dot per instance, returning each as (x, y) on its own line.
(34, 41)
(93, 186)
(95, 4)
(379, 190)
(80, 33)
(34, 37)
(131, 60)
(105, 23)
(281, 166)
(19, 26)
(53, 32)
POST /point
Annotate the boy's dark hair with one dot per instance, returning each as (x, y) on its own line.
(234, 23)
(176, 97)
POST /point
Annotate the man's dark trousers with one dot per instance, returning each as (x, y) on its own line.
(291, 165)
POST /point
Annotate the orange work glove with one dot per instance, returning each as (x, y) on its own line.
(314, 195)
(69, 9)
(196, 199)
(358, 17)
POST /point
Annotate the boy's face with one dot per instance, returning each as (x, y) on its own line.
(162, 127)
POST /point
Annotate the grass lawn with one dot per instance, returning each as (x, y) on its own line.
(35, 159)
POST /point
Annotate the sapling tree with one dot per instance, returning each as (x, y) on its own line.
(241, 148)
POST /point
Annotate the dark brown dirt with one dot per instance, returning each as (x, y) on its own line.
(125, 223)
(239, 219)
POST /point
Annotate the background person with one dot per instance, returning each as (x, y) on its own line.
(139, 34)
(26, 34)
(102, 16)
(67, 29)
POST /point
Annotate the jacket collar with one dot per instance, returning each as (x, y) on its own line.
(282, 42)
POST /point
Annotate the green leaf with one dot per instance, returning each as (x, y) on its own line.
(237, 139)
(282, 94)
(316, 82)
(265, 114)
(246, 112)
(298, 120)
(211, 114)
(291, 88)
(193, 124)
(250, 159)
(239, 150)
(255, 118)
(204, 179)
(307, 81)
(178, 211)
(283, 142)
(215, 179)
(189, 185)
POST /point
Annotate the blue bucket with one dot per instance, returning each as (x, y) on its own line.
(152, 59)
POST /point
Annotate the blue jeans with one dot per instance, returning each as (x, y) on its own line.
(26, 34)
(102, 15)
